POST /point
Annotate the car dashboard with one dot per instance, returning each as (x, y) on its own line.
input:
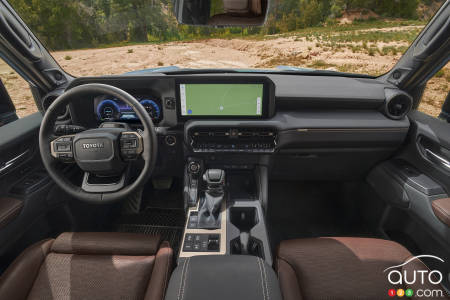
(313, 127)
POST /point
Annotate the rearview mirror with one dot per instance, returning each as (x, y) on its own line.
(222, 12)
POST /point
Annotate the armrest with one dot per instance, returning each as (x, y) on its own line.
(441, 208)
(9, 209)
(223, 277)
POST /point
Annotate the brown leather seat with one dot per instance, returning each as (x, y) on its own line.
(342, 268)
(90, 266)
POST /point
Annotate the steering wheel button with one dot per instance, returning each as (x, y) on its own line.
(62, 147)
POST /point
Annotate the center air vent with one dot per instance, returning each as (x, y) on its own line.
(398, 104)
(233, 139)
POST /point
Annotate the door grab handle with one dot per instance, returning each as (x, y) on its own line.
(10, 163)
(438, 159)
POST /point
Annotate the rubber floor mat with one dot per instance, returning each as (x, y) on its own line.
(155, 217)
(170, 234)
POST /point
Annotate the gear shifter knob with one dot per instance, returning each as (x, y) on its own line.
(214, 178)
(210, 203)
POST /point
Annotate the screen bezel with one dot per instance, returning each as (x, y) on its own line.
(225, 80)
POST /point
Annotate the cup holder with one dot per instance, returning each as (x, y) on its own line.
(253, 247)
(245, 218)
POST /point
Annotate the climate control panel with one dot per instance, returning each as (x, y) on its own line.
(234, 139)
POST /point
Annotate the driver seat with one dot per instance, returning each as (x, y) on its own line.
(90, 266)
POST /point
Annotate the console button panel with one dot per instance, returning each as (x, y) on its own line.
(224, 139)
(201, 242)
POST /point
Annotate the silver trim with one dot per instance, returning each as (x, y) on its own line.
(438, 159)
(10, 163)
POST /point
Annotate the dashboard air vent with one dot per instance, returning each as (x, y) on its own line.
(398, 104)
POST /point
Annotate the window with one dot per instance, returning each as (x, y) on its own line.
(436, 92)
(18, 90)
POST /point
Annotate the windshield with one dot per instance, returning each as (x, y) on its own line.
(102, 37)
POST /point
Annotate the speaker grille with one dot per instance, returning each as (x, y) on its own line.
(398, 106)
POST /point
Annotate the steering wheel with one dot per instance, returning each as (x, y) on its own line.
(103, 153)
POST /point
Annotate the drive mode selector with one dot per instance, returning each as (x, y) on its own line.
(194, 167)
(130, 145)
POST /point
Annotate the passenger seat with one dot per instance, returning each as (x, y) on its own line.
(343, 268)
(109, 265)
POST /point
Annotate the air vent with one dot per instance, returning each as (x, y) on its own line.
(398, 104)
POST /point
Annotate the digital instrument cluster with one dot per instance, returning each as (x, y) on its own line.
(111, 109)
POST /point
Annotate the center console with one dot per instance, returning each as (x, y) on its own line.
(223, 277)
(224, 212)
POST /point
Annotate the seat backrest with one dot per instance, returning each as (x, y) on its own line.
(90, 266)
(256, 7)
(236, 6)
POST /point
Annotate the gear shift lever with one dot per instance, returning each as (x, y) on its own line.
(210, 204)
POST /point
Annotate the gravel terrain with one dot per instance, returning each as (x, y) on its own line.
(227, 53)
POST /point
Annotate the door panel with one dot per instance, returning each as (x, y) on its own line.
(410, 182)
(24, 183)
(430, 139)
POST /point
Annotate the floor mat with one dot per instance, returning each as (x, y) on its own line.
(163, 198)
(312, 209)
(168, 223)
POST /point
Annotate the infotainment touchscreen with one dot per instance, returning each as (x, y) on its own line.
(221, 99)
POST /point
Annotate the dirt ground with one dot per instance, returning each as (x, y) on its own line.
(222, 53)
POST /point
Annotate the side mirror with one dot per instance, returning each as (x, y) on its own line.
(445, 113)
(222, 13)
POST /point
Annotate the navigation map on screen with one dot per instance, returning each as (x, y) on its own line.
(221, 99)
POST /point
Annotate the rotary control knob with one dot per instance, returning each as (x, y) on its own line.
(194, 167)
(170, 140)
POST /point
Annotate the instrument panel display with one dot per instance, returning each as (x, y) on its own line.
(111, 109)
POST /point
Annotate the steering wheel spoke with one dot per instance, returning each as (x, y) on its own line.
(131, 145)
(61, 148)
